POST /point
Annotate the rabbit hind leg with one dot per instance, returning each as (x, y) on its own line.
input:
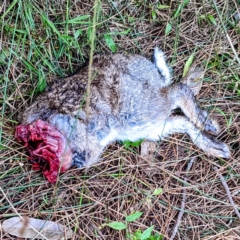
(181, 96)
(180, 124)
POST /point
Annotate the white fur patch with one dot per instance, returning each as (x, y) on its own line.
(162, 65)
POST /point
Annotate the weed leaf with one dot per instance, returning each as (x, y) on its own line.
(188, 64)
(212, 19)
(160, 6)
(147, 233)
(77, 33)
(116, 225)
(168, 28)
(137, 143)
(79, 19)
(41, 85)
(9, 9)
(180, 7)
(157, 191)
(137, 234)
(89, 33)
(29, 65)
(124, 32)
(51, 25)
(134, 216)
(156, 237)
(154, 15)
(110, 43)
(128, 144)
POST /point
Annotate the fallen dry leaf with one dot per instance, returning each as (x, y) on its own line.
(36, 228)
(194, 79)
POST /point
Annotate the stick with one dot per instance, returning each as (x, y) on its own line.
(93, 35)
(224, 183)
(180, 214)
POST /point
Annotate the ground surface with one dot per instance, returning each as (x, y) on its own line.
(38, 43)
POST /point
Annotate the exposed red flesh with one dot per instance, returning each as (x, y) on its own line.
(47, 147)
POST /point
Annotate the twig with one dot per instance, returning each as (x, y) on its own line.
(236, 192)
(93, 34)
(224, 183)
(180, 214)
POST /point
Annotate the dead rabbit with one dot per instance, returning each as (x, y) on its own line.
(131, 98)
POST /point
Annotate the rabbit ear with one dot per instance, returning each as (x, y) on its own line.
(194, 79)
(160, 62)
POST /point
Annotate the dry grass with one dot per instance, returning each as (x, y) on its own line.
(31, 50)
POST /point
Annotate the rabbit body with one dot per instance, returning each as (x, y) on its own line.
(131, 98)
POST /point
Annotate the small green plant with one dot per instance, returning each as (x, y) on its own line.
(128, 144)
(207, 18)
(108, 37)
(139, 234)
(120, 225)
(110, 42)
